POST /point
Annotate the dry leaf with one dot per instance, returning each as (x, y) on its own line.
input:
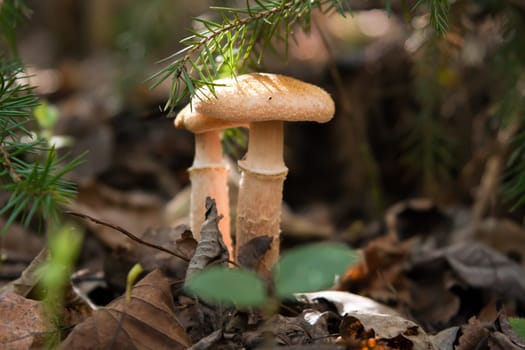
(389, 331)
(499, 341)
(186, 244)
(251, 253)
(287, 331)
(347, 302)
(147, 322)
(211, 246)
(23, 324)
(445, 339)
(432, 299)
(199, 318)
(503, 235)
(502, 324)
(478, 266)
(473, 335)
(367, 319)
(382, 275)
(28, 279)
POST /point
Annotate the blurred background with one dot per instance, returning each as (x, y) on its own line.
(418, 115)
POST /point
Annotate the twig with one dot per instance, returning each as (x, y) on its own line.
(7, 162)
(127, 233)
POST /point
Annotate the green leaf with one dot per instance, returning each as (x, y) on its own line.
(231, 287)
(518, 324)
(311, 268)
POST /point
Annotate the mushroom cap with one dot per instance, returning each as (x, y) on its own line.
(259, 97)
(188, 118)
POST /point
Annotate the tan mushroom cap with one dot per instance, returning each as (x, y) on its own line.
(259, 97)
(188, 118)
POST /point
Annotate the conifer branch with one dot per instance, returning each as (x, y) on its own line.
(240, 39)
(438, 12)
(7, 164)
(31, 173)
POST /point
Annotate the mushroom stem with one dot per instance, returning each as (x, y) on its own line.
(261, 188)
(209, 177)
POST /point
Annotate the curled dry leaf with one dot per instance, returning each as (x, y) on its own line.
(478, 266)
(253, 251)
(495, 335)
(147, 321)
(506, 330)
(211, 246)
(23, 324)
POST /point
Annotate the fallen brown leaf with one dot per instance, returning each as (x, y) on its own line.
(28, 278)
(186, 244)
(148, 321)
(478, 266)
(473, 335)
(382, 275)
(389, 331)
(23, 324)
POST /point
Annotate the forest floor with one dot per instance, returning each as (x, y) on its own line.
(430, 275)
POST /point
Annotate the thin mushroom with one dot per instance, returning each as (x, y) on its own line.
(264, 101)
(209, 171)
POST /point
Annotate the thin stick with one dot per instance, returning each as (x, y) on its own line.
(127, 233)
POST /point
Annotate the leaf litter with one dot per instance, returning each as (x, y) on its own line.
(418, 283)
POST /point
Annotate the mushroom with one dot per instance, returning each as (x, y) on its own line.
(265, 101)
(209, 171)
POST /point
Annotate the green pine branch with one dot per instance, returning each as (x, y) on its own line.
(31, 173)
(12, 13)
(242, 35)
(438, 12)
(16, 100)
(428, 147)
(30, 170)
(35, 187)
(239, 39)
(510, 104)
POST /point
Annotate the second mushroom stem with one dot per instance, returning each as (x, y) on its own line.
(209, 177)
